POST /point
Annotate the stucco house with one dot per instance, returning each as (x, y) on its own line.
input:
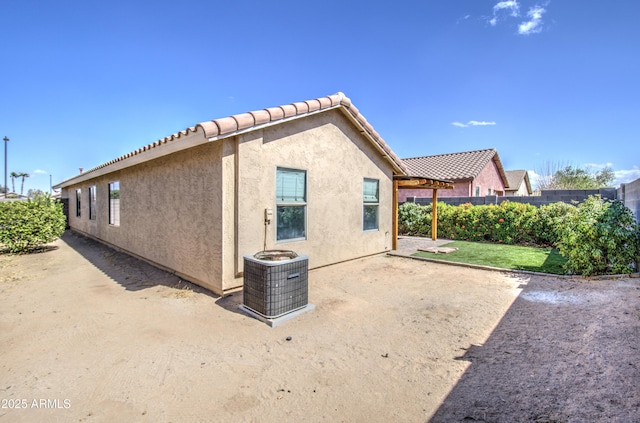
(313, 177)
(519, 184)
(473, 173)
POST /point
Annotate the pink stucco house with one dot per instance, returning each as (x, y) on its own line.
(473, 173)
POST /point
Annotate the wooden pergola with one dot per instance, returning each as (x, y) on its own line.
(417, 182)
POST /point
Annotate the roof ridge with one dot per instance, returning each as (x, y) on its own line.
(451, 154)
(241, 121)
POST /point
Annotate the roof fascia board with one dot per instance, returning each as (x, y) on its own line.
(503, 175)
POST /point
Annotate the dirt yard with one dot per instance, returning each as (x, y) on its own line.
(91, 335)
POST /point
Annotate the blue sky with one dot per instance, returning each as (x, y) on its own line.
(83, 82)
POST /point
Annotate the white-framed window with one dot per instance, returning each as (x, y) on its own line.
(291, 204)
(92, 202)
(477, 190)
(370, 204)
(114, 203)
(488, 191)
(78, 202)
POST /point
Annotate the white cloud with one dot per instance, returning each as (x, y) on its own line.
(511, 6)
(534, 178)
(464, 18)
(480, 123)
(626, 176)
(597, 165)
(534, 25)
(472, 123)
(40, 172)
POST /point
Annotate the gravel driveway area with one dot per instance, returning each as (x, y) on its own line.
(88, 334)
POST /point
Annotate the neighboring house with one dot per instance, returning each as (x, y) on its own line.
(473, 173)
(313, 177)
(519, 184)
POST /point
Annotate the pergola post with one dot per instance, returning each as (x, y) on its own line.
(416, 182)
(434, 215)
(394, 226)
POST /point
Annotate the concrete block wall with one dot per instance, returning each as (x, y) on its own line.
(545, 197)
(630, 194)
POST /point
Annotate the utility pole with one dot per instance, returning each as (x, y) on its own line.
(6, 188)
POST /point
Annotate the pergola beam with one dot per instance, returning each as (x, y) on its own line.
(423, 184)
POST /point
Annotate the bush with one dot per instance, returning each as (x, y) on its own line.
(601, 237)
(414, 219)
(26, 225)
(511, 223)
(596, 237)
(548, 223)
(507, 223)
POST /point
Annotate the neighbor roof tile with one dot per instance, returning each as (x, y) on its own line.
(454, 166)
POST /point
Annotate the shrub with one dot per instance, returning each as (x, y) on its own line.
(414, 219)
(601, 237)
(511, 223)
(26, 225)
(548, 223)
(596, 237)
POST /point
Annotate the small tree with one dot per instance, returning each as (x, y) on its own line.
(23, 175)
(563, 176)
(13, 175)
(601, 237)
(34, 193)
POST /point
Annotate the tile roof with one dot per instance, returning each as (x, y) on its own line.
(455, 166)
(246, 122)
(516, 177)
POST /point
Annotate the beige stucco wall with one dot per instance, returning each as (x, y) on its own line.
(170, 212)
(521, 191)
(336, 158)
(199, 211)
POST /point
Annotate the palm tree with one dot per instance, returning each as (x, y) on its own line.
(13, 175)
(22, 175)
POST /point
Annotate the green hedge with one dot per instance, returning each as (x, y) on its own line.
(601, 238)
(26, 225)
(508, 223)
(609, 246)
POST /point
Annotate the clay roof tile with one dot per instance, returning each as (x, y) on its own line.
(244, 121)
(226, 125)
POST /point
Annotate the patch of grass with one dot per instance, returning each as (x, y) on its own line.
(546, 260)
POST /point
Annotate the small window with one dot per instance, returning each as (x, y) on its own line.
(488, 191)
(114, 203)
(291, 204)
(78, 202)
(478, 191)
(92, 202)
(371, 204)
